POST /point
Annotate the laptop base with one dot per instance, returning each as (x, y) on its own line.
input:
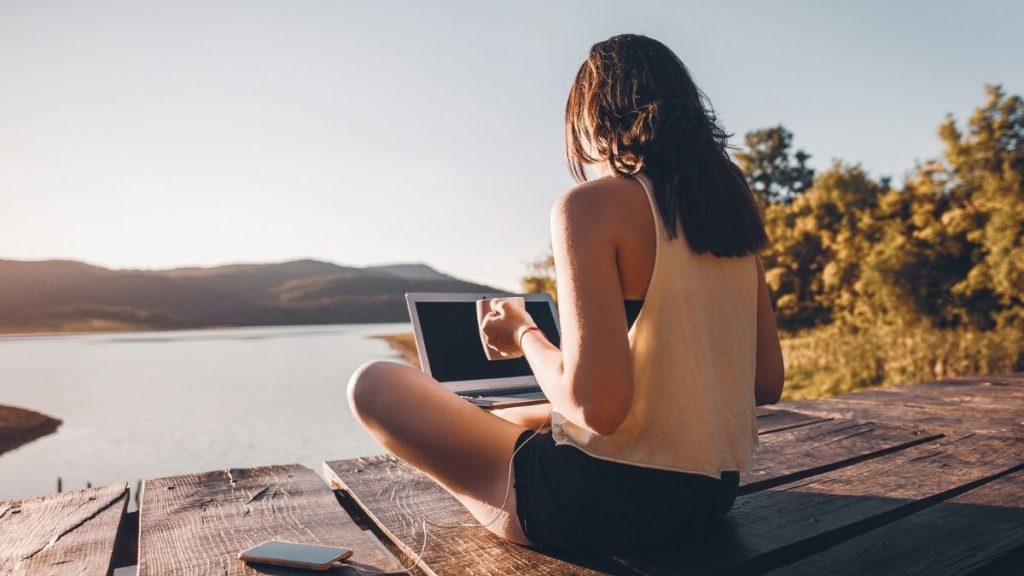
(508, 400)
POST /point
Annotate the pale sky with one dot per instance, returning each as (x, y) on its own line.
(150, 135)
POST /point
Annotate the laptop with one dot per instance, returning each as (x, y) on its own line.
(450, 350)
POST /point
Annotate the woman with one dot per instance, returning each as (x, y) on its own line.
(668, 338)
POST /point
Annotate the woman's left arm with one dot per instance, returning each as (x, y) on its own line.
(590, 384)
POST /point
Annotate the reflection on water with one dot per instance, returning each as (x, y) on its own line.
(150, 404)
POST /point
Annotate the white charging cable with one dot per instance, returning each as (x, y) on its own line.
(501, 510)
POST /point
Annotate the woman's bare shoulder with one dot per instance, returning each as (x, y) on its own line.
(603, 198)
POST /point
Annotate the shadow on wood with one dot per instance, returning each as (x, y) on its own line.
(846, 482)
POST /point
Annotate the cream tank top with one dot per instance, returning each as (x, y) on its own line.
(693, 347)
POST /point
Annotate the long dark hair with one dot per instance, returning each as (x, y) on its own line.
(635, 105)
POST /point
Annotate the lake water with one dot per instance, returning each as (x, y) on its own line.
(151, 404)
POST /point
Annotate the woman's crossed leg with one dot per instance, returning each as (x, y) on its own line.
(463, 448)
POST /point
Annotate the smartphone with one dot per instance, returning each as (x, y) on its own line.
(295, 555)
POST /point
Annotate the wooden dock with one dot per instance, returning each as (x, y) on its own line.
(918, 479)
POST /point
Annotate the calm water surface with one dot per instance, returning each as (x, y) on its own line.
(150, 404)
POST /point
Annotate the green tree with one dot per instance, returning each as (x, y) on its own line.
(951, 250)
(843, 205)
(920, 253)
(986, 166)
(774, 174)
(813, 264)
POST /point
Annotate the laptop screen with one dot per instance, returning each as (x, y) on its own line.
(451, 339)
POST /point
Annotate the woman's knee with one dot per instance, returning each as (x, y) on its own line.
(367, 388)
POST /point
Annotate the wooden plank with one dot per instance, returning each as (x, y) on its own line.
(1011, 380)
(995, 394)
(398, 498)
(807, 450)
(68, 533)
(775, 527)
(198, 523)
(1008, 565)
(771, 420)
(956, 536)
(951, 419)
(391, 493)
(990, 404)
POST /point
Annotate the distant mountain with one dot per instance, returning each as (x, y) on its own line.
(412, 271)
(62, 294)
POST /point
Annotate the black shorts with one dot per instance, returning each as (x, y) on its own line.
(568, 500)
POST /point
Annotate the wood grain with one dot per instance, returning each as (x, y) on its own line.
(1000, 394)
(779, 526)
(773, 420)
(807, 450)
(68, 533)
(956, 536)
(391, 492)
(398, 498)
(986, 405)
(198, 523)
(949, 419)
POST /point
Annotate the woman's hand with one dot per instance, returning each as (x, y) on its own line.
(500, 327)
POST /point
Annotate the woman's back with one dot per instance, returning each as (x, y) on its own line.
(693, 346)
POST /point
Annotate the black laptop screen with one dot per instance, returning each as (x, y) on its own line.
(452, 340)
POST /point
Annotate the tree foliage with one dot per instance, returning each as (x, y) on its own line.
(818, 239)
(946, 249)
(774, 174)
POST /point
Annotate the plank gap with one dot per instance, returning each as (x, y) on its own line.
(360, 513)
(790, 553)
(815, 471)
(126, 544)
(797, 425)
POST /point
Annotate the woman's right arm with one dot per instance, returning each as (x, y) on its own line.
(770, 372)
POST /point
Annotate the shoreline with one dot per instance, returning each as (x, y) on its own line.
(404, 344)
(19, 426)
(92, 327)
(103, 327)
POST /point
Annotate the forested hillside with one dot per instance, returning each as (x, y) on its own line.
(61, 295)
